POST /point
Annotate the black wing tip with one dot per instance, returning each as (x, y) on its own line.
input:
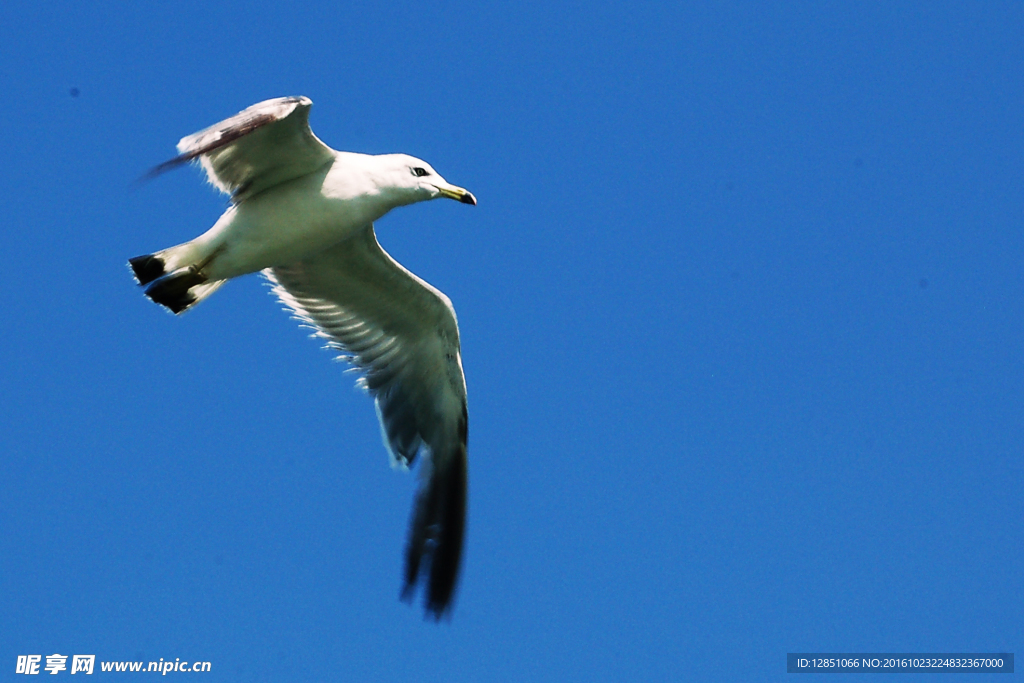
(147, 268)
(168, 165)
(436, 536)
(174, 291)
(432, 610)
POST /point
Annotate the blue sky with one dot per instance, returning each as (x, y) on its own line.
(741, 311)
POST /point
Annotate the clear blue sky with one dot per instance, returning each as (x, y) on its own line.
(742, 320)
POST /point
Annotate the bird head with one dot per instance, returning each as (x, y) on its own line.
(416, 181)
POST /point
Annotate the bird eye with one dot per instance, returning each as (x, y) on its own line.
(420, 172)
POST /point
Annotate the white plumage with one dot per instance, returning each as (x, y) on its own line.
(303, 214)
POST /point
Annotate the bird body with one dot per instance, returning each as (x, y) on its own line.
(290, 221)
(303, 214)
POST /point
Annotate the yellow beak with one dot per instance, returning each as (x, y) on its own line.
(457, 193)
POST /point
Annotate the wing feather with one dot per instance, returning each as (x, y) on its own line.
(260, 147)
(403, 336)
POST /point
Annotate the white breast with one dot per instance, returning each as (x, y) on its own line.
(292, 221)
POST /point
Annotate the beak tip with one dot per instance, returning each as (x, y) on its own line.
(468, 198)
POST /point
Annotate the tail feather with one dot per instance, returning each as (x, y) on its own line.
(435, 535)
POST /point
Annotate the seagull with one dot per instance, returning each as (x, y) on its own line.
(303, 213)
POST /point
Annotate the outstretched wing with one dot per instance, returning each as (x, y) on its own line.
(402, 334)
(265, 145)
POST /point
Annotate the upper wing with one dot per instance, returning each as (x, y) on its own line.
(262, 146)
(402, 333)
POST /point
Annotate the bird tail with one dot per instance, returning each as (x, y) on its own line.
(438, 525)
(172, 281)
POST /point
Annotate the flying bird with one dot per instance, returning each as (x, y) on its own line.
(303, 213)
